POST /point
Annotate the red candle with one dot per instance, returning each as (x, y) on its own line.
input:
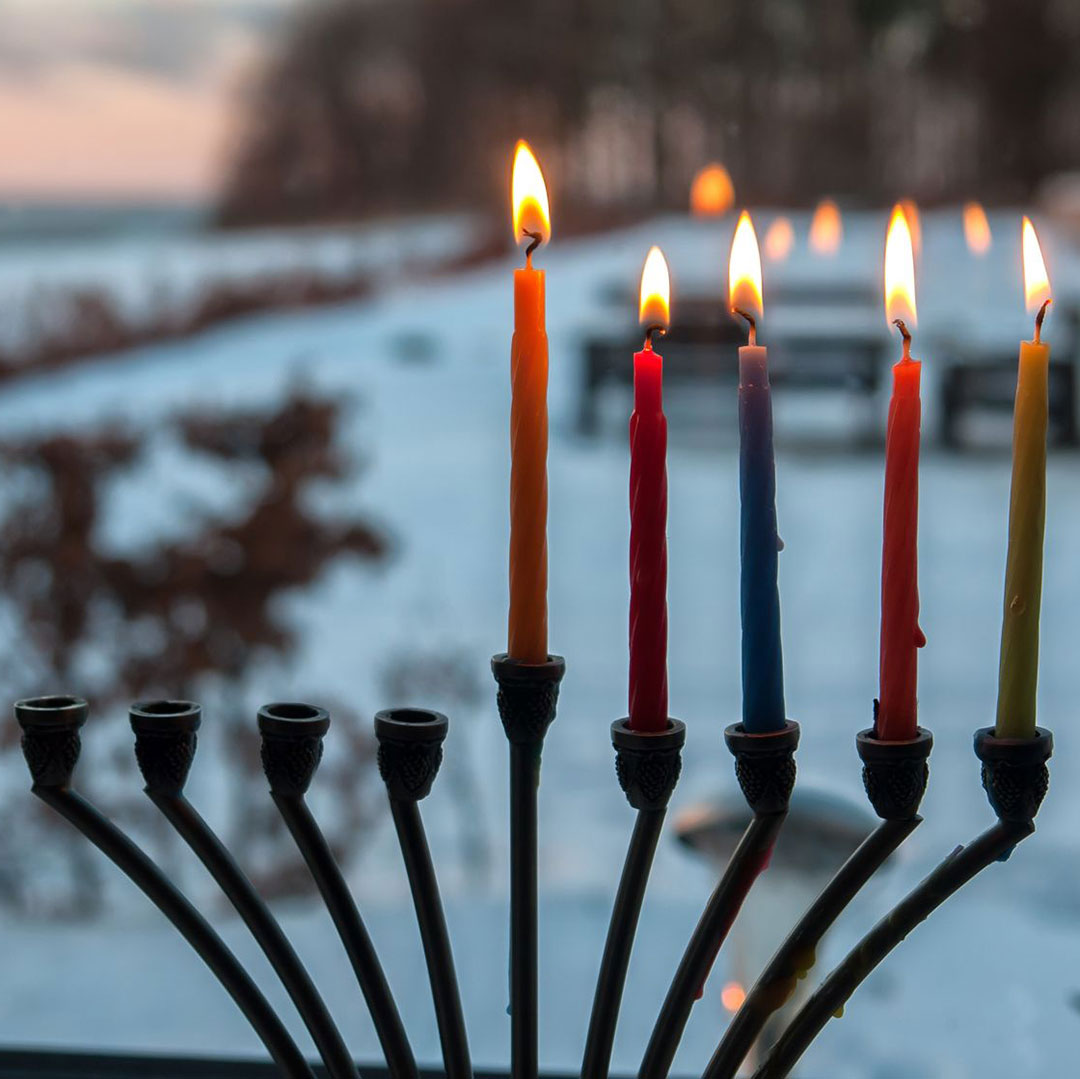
(648, 512)
(897, 710)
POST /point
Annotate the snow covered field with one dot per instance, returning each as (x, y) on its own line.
(145, 272)
(987, 988)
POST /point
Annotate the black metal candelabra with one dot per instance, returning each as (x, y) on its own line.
(1014, 774)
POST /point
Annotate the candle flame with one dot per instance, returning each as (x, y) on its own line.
(528, 194)
(899, 270)
(976, 228)
(779, 240)
(732, 996)
(655, 306)
(1036, 279)
(712, 193)
(914, 220)
(744, 270)
(826, 228)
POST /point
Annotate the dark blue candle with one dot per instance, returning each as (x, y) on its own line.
(762, 656)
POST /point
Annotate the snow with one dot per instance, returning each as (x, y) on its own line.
(986, 988)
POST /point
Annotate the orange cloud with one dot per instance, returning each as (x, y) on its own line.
(79, 129)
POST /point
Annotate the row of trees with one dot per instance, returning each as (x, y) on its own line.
(403, 104)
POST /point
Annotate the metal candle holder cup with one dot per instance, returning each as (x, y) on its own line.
(895, 774)
(292, 745)
(165, 742)
(765, 765)
(50, 738)
(1014, 772)
(648, 763)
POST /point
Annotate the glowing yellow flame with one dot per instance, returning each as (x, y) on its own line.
(655, 306)
(899, 270)
(976, 228)
(732, 996)
(1036, 279)
(914, 221)
(779, 240)
(826, 228)
(528, 194)
(744, 270)
(712, 193)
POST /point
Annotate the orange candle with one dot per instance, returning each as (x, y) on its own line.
(527, 631)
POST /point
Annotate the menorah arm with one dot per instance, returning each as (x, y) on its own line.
(436, 940)
(527, 699)
(410, 752)
(746, 863)
(194, 928)
(620, 939)
(648, 764)
(326, 873)
(292, 748)
(213, 854)
(949, 877)
(797, 953)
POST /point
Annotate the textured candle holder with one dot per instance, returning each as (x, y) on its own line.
(1014, 773)
(527, 698)
(648, 765)
(895, 775)
(765, 770)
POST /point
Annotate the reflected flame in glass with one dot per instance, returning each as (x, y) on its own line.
(712, 193)
(826, 228)
(732, 996)
(779, 240)
(976, 228)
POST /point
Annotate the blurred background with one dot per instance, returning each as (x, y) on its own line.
(255, 314)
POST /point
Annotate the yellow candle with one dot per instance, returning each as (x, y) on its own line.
(1019, 666)
(527, 621)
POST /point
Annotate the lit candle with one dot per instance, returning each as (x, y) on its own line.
(762, 658)
(897, 707)
(648, 510)
(527, 631)
(1019, 668)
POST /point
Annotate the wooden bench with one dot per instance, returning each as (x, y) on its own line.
(979, 380)
(989, 384)
(700, 353)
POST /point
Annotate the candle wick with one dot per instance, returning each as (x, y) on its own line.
(905, 333)
(537, 239)
(656, 327)
(1039, 320)
(751, 333)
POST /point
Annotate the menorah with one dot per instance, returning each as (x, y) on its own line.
(410, 747)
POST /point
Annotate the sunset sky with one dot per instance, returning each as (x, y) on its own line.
(124, 98)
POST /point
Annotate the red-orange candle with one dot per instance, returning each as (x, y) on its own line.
(527, 621)
(901, 638)
(648, 682)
